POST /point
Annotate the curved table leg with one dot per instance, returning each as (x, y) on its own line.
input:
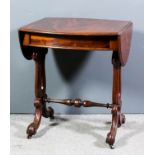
(32, 128)
(117, 117)
(111, 135)
(40, 88)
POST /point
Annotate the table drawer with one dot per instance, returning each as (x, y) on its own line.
(71, 42)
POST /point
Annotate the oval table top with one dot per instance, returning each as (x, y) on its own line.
(77, 26)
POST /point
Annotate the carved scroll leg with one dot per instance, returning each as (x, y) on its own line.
(32, 128)
(117, 121)
(117, 117)
(40, 89)
(47, 112)
(112, 134)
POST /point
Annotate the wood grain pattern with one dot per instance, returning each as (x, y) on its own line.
(40, 91)
(69, 42)
(77, 34)
(76, 26)
(117, 117)
(124, 44)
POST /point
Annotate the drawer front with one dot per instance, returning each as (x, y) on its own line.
(71, 42)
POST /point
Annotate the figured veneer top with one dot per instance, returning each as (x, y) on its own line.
(77, 26)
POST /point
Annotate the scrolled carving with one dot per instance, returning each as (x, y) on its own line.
(31, 130)
(112, 134)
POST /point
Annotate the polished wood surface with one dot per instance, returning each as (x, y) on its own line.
(77, 26)
(40, 92)
(71, 42)
(79, 103)
(78, 34)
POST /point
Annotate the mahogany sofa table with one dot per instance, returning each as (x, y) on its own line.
(76, 34)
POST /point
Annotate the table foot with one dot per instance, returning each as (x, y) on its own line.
(110, 139)
(32, 128)
(117, 121)
(112, 134)
(112, 146)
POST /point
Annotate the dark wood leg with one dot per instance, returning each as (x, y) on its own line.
(40, 91)
(117, 117)
(47, 112)
(32, 128)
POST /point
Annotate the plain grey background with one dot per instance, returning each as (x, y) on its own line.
(85, 75)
